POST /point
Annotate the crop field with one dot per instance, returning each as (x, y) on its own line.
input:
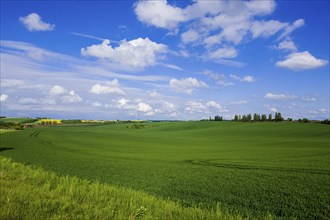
(250, 169)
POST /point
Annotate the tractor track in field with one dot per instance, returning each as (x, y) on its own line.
(251, 167)
(35, 134)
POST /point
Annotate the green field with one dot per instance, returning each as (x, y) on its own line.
(253, 169)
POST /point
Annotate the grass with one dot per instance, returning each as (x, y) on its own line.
(46, 195)
(6, 130)
(15, 120)
(252, 169)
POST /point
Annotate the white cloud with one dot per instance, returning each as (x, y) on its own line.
(144, 107)
(301, 61)
(88, 36)
(209, 107)
(111, 87)
(220, 79)
(290, 28)
(257, 7)
(154, 94)
(239, 102)
(122, 103)
(210, 23)
(167, 108)
(72, 97)
(279, 96)
(159, 14)
(190, 36)
(266, 28)
(186, 85)
(36, 53)
(184, 53)
(273, 109)
(309, 99)
(216, 106)
(33, 22)
(28, 101)
(57, 90)
(249, 79)
(171, 66)
(195, 107)
(11, 83)
(97, 104)
(135, 106)
(287, 45)
(3, 97)
(36, 101)
(213, 104)
(224, 52)
(138, 53)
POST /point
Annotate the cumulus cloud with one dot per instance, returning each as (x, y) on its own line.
(144, 107)
(216, 106)
(199, 107)
(279, 96)
(195, 107)
(159, 14)
(273, 109)
(71, 97)
(249, 79)
(3, 97)
(33, 22)
(122, 103)
(212, 23)
(299, 61)
(111, 87)
(167, 108)
(186, 85)
(138, 53)
(57, 90)
(135, 106)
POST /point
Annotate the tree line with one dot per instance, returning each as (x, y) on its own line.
(258, 117)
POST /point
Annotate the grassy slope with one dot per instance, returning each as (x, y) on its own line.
(281, 168)
(16, 120)
(32, 193)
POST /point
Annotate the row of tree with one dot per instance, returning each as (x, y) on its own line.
(258, 117)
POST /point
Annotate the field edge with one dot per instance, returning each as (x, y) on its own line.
(31, 192)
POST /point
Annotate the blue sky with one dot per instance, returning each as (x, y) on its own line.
(164, 59)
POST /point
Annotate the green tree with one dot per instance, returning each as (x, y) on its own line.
(263, 117)
(278, 116)
(270, 117)
(305, 120)
(249, 117)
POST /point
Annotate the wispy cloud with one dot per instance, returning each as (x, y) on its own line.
(91, 37)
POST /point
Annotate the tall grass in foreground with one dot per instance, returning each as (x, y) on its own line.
(32, 193)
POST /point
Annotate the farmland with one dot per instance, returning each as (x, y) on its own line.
(250, 169)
